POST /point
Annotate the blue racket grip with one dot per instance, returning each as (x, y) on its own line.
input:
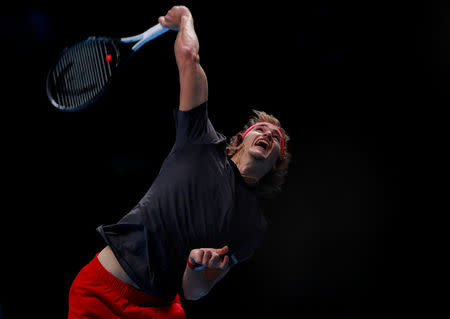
(146, 36)
(233, 261)
(150, 34)
(198, 268)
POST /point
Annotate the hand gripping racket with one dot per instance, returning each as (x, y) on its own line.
(83, 72)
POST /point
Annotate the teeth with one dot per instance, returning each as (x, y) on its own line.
(262, 143)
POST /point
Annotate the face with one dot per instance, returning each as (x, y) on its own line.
(263, 143)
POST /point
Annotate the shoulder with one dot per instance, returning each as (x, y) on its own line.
(194, 127)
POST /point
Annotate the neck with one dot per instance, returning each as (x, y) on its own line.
(246, 165)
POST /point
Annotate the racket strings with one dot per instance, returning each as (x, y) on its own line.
(81, 73)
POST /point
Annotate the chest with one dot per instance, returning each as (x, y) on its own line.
(202, 172)
(205, 196)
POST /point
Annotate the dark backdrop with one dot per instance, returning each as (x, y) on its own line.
(344, 78)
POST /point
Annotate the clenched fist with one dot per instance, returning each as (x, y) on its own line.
(173, 17)
(209, 257)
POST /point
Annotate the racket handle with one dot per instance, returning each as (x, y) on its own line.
(150, 34)
(233, 261)
(198, 268)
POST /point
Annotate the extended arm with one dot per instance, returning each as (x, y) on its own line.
(193, 81)
(198, 283)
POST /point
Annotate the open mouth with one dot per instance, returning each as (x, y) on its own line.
(263, 144)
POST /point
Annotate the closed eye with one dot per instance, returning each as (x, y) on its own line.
(276, 136)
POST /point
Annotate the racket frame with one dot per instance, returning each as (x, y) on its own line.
(140, 40)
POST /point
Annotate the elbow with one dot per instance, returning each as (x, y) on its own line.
(195, 294)
(186, 56)
(192, 298)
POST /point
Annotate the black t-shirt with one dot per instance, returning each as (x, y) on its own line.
(198, 200)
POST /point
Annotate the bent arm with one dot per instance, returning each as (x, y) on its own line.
(198, 283)
(193, 81)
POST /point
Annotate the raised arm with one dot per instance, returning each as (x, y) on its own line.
(193, 81)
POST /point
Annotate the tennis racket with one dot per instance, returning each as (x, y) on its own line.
(83, 72)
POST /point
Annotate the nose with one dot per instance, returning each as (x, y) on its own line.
(269, 135)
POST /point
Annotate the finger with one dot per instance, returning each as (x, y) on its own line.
(162, 21)
(222, 251)
(214, 261)
(197, 256)
(206, 257)
(224, 263)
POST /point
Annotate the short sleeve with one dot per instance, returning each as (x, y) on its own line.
(194, 127)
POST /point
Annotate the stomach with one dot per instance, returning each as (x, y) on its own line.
(109, 261)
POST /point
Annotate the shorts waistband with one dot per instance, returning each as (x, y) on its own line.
(125, 290)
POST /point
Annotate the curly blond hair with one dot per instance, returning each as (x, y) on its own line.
(271, 183)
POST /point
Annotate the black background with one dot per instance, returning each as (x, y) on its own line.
(353, 83)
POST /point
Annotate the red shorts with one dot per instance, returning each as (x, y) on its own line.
(95, 293)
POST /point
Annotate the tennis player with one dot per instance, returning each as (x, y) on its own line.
(201, 215)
